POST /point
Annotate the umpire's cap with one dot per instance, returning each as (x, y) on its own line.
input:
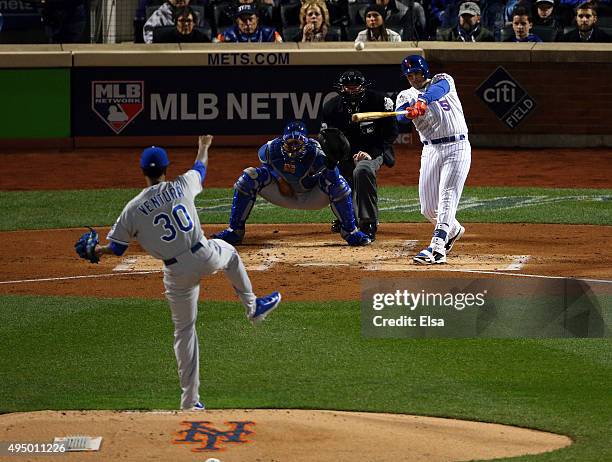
(415, 63)
(154, 157)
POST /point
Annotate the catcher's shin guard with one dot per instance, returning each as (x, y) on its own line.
(340, 200)
(246, 188)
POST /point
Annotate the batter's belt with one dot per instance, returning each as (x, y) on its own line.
(446, 139)
(194, 249)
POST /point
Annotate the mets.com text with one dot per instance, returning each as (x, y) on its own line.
(248, 59)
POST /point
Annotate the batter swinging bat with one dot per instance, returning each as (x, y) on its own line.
(362, 116)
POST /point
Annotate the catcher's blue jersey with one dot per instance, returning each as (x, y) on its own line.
(301, 173)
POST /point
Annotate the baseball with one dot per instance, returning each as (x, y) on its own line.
(359, 46)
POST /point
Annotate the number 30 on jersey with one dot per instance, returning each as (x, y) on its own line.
(180, 219)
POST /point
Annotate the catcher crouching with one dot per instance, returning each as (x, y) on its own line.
(297, 172)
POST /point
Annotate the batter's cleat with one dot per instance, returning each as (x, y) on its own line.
(196, 407)
(335, 226)
(451, 242)
(369, 229)
(429, 257)
(357, 239)
(231, 236)
(264, 306)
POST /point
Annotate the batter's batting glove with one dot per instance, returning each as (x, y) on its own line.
(86, 246)
(417, 109)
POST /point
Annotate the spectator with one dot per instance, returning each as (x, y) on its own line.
(522, 22)
(408, 16)
(163, 16)
(586, 29)
(314, 23)
(264, 12)
(469, 28)
(64, 20)
(545, 14)
(376, 30)
(247, 28)
(184, 31)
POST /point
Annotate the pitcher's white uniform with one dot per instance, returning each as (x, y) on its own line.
(164, 220)
(446, 155)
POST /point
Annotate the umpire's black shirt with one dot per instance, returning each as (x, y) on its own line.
(375, 137)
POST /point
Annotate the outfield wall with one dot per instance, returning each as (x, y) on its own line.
(543, 94)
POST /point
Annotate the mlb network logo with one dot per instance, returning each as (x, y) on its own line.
(506, 98)
(117, 102)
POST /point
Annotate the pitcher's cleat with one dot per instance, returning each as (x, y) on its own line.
(264, 306)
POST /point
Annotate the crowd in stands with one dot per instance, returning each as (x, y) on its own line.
(200, 21)
(374, 20)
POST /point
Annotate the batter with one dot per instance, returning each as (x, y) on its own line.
(435, 110)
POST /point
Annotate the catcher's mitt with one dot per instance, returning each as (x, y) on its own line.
(335, 145)
(86, 246)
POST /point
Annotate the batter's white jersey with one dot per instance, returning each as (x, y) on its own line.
(443, 118)
(163, 218)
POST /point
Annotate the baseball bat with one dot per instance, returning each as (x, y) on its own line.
(362, 116)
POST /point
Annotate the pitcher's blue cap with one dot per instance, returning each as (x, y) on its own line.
(154, 157)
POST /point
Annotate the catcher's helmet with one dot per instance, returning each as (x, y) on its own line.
(294, 139)
(415, 63)
(296, 126)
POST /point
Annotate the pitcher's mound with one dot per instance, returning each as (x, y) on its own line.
(277, 435)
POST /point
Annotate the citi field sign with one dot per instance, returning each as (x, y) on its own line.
(506, 98)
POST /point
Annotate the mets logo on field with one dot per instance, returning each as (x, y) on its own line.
(117, 102)
(208, 438)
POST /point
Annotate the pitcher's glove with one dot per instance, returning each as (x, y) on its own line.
(86, 246)
(335, 146)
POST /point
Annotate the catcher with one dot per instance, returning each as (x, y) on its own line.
(297, 172)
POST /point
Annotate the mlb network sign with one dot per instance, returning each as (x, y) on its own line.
(117, 103)
(506, 98)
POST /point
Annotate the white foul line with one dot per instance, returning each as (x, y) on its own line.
(522, 275)
(65, 278)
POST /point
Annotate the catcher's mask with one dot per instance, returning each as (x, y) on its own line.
(294, 144)
(352, 86)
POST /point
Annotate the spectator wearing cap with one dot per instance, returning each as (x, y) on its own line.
(248, 29)
(545, 16)
(376, 30)
(522, 22)
(184, 31)
(409, 16)
(586, 29)
(469, 28)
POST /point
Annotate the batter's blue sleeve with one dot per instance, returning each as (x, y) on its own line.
(201, 169)
(118, 249)
(435, 91)
(400, 118)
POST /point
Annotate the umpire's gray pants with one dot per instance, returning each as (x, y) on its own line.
(362, 180)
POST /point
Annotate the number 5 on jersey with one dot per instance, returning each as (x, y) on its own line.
(182, 220)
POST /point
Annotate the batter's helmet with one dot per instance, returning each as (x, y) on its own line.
(415, 63)
(294, 139)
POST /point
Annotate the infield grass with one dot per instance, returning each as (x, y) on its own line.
(67, 209)
(85, 353)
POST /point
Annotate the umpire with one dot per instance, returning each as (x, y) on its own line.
(370, 142)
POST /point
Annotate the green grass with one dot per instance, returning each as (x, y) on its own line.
(85, 353)
(63, 209)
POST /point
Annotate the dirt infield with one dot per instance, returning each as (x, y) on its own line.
(306, 262)
(278, 435)
(118, 168)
